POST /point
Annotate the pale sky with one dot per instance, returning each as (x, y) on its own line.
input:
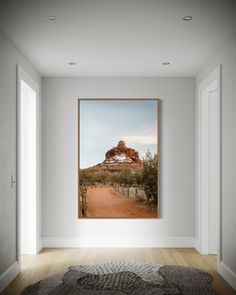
(104, 122)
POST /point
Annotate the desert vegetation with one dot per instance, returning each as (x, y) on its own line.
(141, 184)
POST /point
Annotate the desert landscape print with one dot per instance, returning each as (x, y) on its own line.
(119, 158)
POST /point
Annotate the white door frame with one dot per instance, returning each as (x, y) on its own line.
(23, 75)
(202, 203)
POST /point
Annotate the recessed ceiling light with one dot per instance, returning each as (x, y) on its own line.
(187, 18)
(166, 63)
(72, 63)
(51, 18)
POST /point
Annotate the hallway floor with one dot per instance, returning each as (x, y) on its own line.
(50, 261)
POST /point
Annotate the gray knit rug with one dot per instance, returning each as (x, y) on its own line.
(119, 278)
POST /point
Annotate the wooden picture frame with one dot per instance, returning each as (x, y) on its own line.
(101, 193)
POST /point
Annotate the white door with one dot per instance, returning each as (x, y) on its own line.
(27, 167)
(27, 162)
(209, 164)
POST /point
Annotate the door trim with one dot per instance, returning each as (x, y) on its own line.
(23, 75)
(202, 221)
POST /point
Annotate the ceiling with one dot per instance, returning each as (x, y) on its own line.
(128, 38)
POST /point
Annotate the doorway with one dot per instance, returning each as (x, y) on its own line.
(27, 162)
(209, 180)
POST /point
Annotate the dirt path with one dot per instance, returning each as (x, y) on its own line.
(106, 202)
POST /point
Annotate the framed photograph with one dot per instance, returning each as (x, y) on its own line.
(119, 158)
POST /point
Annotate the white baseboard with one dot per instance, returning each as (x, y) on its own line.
(33, 249)
(9, 275)
(76, 242)
(197, 245)
(39, 245)
(200, 250)
(227, 274)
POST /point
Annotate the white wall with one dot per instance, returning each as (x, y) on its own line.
(61, 227)
(227, 58)
(9, 58)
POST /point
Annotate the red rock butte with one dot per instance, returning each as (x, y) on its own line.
(120, 158)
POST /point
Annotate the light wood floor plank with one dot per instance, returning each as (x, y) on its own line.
(50, 261)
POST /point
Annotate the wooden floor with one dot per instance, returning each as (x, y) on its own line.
(49, 261)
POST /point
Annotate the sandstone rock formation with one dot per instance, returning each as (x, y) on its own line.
(123, 152)
(120, 158)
